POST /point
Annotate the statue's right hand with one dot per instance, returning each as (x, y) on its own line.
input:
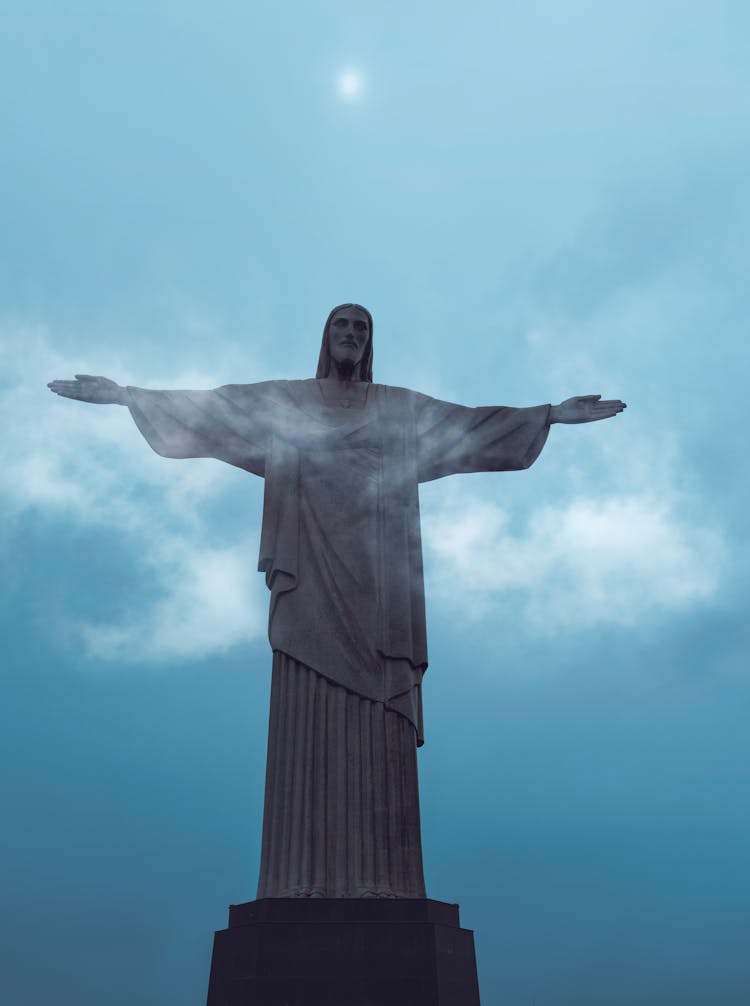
(98, 390)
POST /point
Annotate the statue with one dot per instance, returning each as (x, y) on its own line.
(342, 459)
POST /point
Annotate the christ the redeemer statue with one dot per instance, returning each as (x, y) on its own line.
(342, 460)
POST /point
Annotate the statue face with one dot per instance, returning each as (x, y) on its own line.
(348, 333)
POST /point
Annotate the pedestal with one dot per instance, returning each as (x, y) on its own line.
(343, 952)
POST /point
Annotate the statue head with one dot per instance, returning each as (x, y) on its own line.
(347, 341)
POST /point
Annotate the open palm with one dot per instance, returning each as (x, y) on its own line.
(586, 409)
(87, 388)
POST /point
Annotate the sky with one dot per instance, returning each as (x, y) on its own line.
(535, 200)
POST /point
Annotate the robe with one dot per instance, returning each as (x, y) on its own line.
(341, 551)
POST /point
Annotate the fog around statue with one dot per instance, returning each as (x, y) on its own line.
(342, 458)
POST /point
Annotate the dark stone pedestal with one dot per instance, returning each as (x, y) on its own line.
(343, 952)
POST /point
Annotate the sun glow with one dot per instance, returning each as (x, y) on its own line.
(350, 85)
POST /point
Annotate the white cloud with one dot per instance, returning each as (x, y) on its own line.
(90, 466)
(590, 560)
(211, 599)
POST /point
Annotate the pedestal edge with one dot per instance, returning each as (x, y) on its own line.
(320, 910)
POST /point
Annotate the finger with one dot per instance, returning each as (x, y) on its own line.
(613, 403)
(86, 377)
(606, 407)
(67, 392)
(63, 385)
(589, 398)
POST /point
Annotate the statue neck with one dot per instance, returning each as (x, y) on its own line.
(344, 372)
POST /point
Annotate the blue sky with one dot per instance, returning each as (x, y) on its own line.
(535, 200)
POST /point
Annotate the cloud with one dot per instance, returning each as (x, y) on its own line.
(89, 466)
(210, 600)
(611, 561)
(627, 541)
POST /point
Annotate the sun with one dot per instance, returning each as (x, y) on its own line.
(350, 85)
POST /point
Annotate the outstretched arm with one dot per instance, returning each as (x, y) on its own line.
(224, 423)
(453, 438)
(97, 390)
(585, 409)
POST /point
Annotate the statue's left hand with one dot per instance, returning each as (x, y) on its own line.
(585, 409)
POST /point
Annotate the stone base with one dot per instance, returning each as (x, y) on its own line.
(343, 952)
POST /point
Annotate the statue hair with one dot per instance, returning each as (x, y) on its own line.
(364, 367)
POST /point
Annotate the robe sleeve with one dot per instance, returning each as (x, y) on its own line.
(453, 438)
(228, 423)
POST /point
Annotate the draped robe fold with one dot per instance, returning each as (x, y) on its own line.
(341, 551)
